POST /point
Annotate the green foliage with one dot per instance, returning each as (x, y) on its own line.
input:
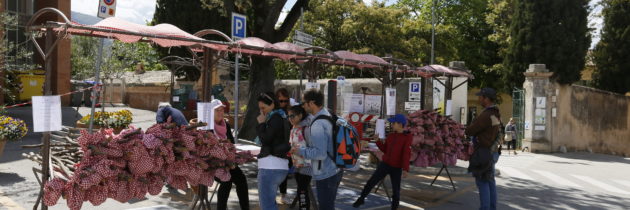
(404, 31)
(192, 16)
(116, 60)
(14, 57)
(554, 33)
(612, 53)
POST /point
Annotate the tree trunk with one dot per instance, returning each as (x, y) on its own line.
(263, 76)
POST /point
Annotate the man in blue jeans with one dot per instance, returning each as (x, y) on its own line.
(485, 129)
(320, 150)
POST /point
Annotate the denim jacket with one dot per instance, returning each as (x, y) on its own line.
(320, 147)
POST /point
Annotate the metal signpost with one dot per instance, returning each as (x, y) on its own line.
(239, 31)
(106, 8)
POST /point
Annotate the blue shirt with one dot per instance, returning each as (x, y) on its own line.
(320, 147)
(176, 115)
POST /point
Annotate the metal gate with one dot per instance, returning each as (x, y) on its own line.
(518, 113)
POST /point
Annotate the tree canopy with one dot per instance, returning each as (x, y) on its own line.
(612, 53)
(554, 33)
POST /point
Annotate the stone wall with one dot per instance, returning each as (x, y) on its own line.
(589, 119)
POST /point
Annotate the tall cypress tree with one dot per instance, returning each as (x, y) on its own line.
(554, 33)
(612, 53)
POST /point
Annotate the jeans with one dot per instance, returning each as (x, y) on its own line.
(239, 179)
(283, 185)
(268, 182)
(304, 182)
(488, 189)
(511, 144)
(327, 191)
(381, 172)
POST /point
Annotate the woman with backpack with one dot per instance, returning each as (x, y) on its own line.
(273, 163)
(299, 119)
(222, 130)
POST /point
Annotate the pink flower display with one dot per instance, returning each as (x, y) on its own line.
(437, 139)
(135, 163)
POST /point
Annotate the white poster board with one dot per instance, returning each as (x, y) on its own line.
(527, 125)
(312, 85)
(205, 113)
(356, 102)
(380, 128)
(540, 116)
(412, 106)
(541, 102)
(373, 104)
(449, 107)
(391, 101)
(46, 113)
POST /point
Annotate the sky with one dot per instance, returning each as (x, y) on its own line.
(141, 12)
(137, 11)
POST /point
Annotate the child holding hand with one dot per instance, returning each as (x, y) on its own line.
(395, 161)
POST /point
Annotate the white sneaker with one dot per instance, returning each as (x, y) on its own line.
(286, 199)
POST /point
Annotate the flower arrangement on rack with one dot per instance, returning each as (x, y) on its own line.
(437, 139)
(12, 129)
(118, 119)
(133, 163)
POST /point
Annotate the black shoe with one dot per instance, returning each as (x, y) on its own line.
(358, 203)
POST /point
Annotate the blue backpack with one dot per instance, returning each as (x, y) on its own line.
(345, 142)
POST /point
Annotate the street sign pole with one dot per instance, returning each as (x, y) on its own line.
(106, 8)
(239, 31)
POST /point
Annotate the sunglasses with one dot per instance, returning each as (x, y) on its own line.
(283, 101)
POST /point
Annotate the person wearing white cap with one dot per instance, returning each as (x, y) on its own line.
(223, 130)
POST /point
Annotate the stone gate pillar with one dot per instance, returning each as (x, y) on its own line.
(538, 91)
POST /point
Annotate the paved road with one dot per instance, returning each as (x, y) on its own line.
(557, 181)
(526, 181)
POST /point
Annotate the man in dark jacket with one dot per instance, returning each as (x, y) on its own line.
(485, 130)
(166, 113)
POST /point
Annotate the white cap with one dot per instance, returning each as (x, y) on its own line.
(216, 103)
(164, 104)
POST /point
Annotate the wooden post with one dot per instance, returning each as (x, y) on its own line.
(50, 39)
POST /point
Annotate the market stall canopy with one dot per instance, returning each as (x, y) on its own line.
(167, 35)
(443, 70)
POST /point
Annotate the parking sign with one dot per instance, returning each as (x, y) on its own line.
(239, 26)
(106, 8)
(414, 91)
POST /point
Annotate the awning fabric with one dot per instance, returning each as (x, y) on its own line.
(167, 35)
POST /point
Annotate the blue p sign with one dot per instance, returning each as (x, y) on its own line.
(415, 87)
(239, 25)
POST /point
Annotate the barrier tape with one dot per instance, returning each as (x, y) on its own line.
(97, 86)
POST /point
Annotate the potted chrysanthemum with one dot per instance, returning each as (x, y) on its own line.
(11, 129)
(116, 120)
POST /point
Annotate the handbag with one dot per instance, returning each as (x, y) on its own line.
(508, 136)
